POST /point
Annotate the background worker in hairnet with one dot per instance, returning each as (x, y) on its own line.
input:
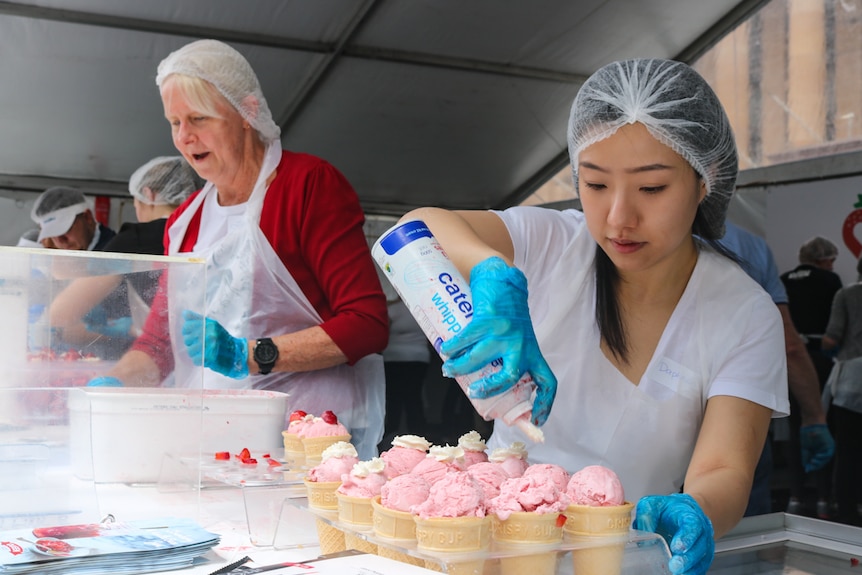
(670, 358)
(105, 305)
(65, 218)
(293, 299)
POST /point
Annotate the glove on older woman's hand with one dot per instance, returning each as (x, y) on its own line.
(209, 344)
(104, 381)
(680, 520)
(500, 328)
(818, 447)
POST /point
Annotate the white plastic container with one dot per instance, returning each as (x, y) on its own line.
(121, 435)
(439, 298)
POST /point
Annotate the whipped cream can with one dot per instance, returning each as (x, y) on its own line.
(440, 300)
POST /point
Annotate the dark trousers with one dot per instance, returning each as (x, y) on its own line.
(848, 463)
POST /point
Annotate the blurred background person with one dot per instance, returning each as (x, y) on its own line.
(844, 334)
(293, 301)
(102, 314)
(814, 445)
(810, 289)
(65, 218)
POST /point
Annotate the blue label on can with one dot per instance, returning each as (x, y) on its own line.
(403, 235)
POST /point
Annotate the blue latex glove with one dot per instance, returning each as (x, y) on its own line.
(680, 520)
(120, 327)
(500, 328)
(818, 447)
(104, 381)
(210, 345)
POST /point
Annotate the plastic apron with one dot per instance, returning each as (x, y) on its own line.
(252, 294)
(645, 433)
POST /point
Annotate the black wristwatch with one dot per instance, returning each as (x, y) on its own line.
(265, 354)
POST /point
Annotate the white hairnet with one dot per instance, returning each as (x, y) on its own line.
(170, 178)
(678, 108)
(230, 73)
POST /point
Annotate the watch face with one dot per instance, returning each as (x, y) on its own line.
(265, 352)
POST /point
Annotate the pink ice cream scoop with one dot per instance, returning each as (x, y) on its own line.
(365, 479)
(474, 448)
(440, 461)
(403, 492)
(490, 476)
(336, 460)
(324, 426)
(596, 486)
(549, 472)
(535, 493)
(457, 494)
(512, 459)
(406, 452)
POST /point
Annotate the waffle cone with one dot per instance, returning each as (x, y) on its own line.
(294, 450)
(321, 494)
(397, 528)
(314, 447)
(603, 532)
(331, 538)
(454, 535)
(356, 512)
(522, 532)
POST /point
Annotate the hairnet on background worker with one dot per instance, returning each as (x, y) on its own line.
(55, 210)
(670, 360)
(164, 181)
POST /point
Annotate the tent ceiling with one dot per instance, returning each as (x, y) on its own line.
(445, 102)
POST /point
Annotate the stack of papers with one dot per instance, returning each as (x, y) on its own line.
(116, 548)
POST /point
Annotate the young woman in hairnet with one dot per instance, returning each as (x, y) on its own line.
(670, 358)
(293, 301)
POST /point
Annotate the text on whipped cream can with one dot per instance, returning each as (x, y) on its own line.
(440, 300)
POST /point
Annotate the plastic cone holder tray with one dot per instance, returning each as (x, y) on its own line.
(642, 552)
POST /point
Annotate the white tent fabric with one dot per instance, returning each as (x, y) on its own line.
(418, 102)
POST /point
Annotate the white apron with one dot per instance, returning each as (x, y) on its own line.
(252, 294)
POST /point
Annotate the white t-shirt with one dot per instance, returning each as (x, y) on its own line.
(725, 337)
(217, 221)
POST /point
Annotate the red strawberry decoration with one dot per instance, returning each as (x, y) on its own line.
(329, 417)
(561, 520)
(297, 415)
(850, 222)
(222, 455)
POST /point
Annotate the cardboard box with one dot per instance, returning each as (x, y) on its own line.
(121, 435)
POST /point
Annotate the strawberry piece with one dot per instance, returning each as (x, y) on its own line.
(329, 417)
(244, 454)
(266, 455)
(561, 520)
(222, 455)
(249, 461)
(297, 415)
(273, 463)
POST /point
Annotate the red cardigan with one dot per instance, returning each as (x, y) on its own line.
(312, 218)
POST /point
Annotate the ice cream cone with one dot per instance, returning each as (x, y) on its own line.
(525, 532)
(356, 513)
(294, 450)
(455, 535)
(603, 531)
(396, 528)
(314, 447)
(321, 496)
